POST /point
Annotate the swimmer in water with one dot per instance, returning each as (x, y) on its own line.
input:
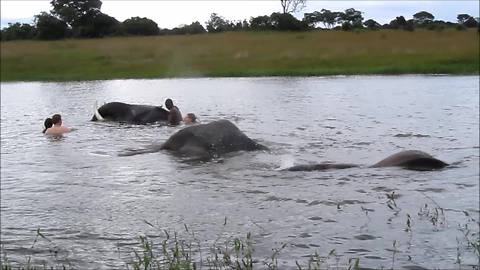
(190, 119)
(48, 124)
(57, 128)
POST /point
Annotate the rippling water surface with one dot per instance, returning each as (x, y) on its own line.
(92, 204)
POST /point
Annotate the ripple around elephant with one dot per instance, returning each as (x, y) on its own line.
(130, 113)
(410, 159)
(205, 141)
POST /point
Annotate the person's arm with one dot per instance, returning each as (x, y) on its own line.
(170, 117)
(176, 116)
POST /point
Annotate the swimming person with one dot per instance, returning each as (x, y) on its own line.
(191, 118)
(174, 116)
(57, 128)
(48, 124)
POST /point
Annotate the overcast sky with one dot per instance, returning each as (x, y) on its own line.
(169, 14)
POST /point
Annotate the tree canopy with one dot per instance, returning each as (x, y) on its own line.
(290, 6)
(423, 17)
(19, 31)
(353, 17)
(325, 16)
(193, 28)
(72, 11)
(97, 24)
(286, 21)
(83, 18)
(471, 22)
(371, 24)
(461, 18)
(217, 23)
(140, 26)
(50, 27)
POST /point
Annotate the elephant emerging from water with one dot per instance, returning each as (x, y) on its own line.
(410, 159)
(205, 141)
(130, 113)
(211, 139)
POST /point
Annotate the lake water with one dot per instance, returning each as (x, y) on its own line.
(92, 205)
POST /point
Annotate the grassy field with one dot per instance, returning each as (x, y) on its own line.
(243, 54)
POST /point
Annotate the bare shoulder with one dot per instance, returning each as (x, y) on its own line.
(57, 130)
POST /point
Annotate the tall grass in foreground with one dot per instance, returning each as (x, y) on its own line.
(183, 250)
(244, 54)
(185, 253)
(236, 253)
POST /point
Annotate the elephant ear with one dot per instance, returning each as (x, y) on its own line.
(196, 149)
(177, 140)
(186, 143)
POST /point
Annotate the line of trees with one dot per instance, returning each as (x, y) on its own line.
(83, 19)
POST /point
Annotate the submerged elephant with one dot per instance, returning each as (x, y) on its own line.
(220, 137)
(206, 141)
(410, 159)
(130, 113)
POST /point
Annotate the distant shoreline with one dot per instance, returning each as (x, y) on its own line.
(244, 54)
(244, 77)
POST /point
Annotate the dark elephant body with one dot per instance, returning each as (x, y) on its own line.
(320, 167)
(413, 160)
(131, 113)
(204, 141)
(410, 159)
(210, 139)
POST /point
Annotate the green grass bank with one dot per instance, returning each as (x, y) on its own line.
(243, 54)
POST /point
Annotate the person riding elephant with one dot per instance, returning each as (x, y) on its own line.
(174, 115)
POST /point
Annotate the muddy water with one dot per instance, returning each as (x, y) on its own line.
(92, 204)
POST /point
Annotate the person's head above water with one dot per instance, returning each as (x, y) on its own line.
(169, 103)
(190, 118)
(57, 119)
(48, 124)
(58, 128)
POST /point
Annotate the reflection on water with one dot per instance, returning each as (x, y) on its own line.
(93, 204)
